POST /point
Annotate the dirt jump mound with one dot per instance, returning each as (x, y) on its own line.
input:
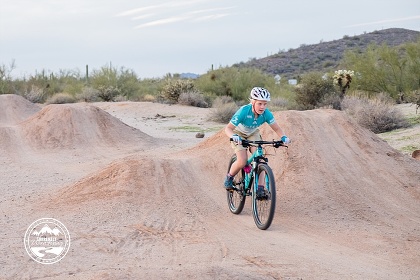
(14, 109)
(78, 126)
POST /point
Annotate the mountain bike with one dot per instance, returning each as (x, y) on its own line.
(255, 173)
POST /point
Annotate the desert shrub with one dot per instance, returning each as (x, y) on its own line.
(120, 98)
(173, 89)
(88, 94)
(108, 93)
(376, 114)
(312, 90)
(332, 101)
(149, 89)
(278, 103)
(222, 100)
(35, 94)
(6, 78)
(61, 98)
(414, 97)
(148, 98)
(223, 109)
(193, 98)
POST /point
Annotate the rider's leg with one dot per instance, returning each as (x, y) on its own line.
(241, 158)
(242, 154)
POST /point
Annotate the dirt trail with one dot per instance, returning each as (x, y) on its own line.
(348, 203)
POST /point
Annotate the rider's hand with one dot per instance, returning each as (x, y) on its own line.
(285, 139)
(237, 139)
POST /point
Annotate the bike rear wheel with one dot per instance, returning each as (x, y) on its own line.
(263, 208)
(236, 198)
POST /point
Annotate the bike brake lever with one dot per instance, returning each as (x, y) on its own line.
(280, 144)
(244, 143)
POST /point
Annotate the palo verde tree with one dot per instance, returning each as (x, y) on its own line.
(234, 82)
(111, 82)
(392, 70)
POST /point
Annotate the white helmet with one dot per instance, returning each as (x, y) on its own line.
(259, 93)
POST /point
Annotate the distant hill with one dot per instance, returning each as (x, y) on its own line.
(326, 56)
(189, 76)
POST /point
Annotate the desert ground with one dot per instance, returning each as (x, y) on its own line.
(142, 197)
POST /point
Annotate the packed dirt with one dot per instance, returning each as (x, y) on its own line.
(142, 197)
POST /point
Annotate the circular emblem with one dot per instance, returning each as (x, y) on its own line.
(47, 241)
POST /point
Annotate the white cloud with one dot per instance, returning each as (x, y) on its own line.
(160, 7)
(169, 12)
(162, 21)
(385, 21)
(210, 17)
(143, 16)
(138, 10)
(211, 10)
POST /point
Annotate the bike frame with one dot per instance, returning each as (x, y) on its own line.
(254, 161)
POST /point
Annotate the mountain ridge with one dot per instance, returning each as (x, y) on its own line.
(326, 56)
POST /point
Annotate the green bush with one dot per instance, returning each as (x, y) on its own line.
(111, 82)
(234, 82)
(173, 89)
(313, 88)
(376, 114)
(6, 78)
(108, 93)
(149, 89)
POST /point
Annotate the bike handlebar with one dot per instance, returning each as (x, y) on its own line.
(246, 143)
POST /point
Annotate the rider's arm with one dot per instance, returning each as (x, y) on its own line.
(229, 130)
(277, 129)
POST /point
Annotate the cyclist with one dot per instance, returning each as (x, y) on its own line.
(244, 125)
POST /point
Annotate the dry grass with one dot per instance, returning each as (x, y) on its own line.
(223, 109)
(193, 98)
(61, 98)
(377, 114)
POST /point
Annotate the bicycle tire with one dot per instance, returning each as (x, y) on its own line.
(263, 209)
(236, 198)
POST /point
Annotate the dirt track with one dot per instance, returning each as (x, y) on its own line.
(143, 201)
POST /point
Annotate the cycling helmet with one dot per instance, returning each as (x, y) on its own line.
(259, 93)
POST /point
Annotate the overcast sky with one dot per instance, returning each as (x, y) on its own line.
(156, 37)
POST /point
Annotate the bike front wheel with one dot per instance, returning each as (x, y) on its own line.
(236, 198)
(264, 202)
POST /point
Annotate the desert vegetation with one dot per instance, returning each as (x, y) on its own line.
(365, 84)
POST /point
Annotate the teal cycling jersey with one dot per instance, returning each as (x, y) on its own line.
(245, 122)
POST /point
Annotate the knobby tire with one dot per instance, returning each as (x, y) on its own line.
(236, 198)
(263, 209)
